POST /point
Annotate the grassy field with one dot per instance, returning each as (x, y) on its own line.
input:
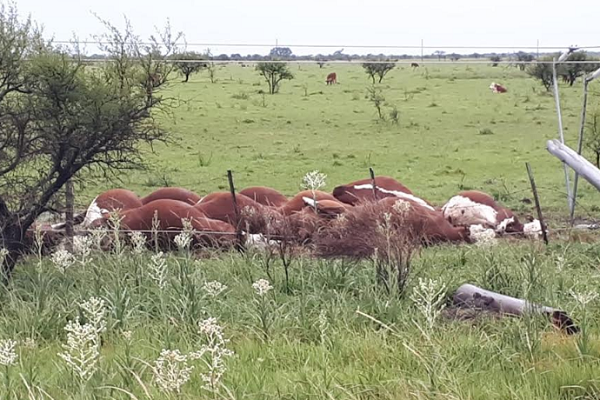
(308, 340)
(437, 148)
(333, 332)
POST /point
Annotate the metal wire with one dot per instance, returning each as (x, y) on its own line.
(354, 61)
(344, 46)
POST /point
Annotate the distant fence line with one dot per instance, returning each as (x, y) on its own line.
(350, 46)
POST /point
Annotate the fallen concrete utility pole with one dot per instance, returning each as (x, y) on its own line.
(471, 296)
(582, 166)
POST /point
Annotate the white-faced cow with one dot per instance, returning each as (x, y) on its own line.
(473, 207)
(497, 88)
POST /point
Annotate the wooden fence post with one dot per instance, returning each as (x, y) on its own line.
(69, 205)
(537, 203)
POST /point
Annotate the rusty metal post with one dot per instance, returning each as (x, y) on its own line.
(537, 203)
(238, 228)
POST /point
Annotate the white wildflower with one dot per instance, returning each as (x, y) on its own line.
(385, 225)
(127, 335)
(323, 326)
(3, 254)
(314, 180)
(428, 296)
(158, 270)
(29, 343)
(214, 288)
(62, 260)
(98, 236)
(248, 211)
(94, 311)
(38, 238)
(82, 350)
(262, 286)
(584, 298)
(183, 240)
(215, 352)
(8, 356)
(401, 207)
(82, 245)
(138, 240)
(171, 370)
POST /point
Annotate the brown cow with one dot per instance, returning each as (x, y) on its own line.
(170, 215)
(473, 207)
(360, 191)
(414, 65)
(220, 206)
(172, 193)
(265, 196)
(331, 78)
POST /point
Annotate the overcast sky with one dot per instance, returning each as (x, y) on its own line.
(345, 23)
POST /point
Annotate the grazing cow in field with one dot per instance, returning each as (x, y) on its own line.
(111, 200)
(497, 88)
(414, 65)
(362, 190)
(331, 78)
(472, 207)
(265, 196)
(172, 193)
(169, 214)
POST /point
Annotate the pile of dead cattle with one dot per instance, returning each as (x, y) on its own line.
(347, 221)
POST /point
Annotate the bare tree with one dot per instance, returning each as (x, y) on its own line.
(61, 121)
(212, 71)
(379, 69)
(570, 72)
(542, 72)
(523, 58)
(274, 73)
(190, 63)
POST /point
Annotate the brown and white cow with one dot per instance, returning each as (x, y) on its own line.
(265, 196)
(304, 199)
(497, 88)
(172, 193)
(360, 191)
(331, 78)
(111, 200)
(473, 207)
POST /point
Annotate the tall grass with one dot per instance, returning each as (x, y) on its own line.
(334, 333)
